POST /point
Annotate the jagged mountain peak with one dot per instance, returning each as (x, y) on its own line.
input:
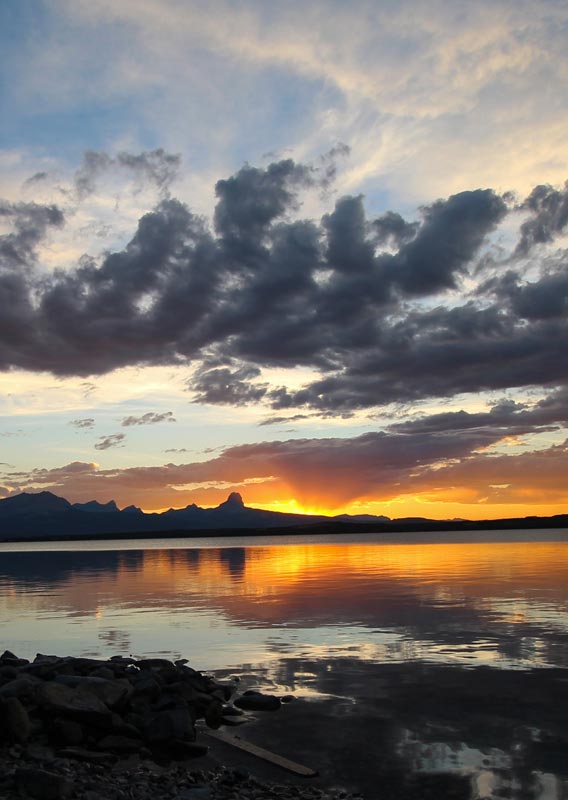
(233, 501)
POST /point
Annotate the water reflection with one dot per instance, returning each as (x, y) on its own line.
(388, 646)
(417, 730)
(495, 603)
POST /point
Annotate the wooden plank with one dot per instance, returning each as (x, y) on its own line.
(260, 752)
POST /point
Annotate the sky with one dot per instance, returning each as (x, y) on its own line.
(315, 253)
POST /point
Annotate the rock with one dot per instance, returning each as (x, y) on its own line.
(122, 727)
(16, 722)
(20, 687)
(120, 744)
(111, 693)
(9, 659)
(176, 723)
(233, 722)
(180, 750)
(196, 793)
(43, 658)
(223, 690)
(103, 672)
(38, 752)
(214, 714)
(231, 711)
(256, 701)
(66, 732)
(41, 784)
(72, 702)
(92, 756)
(8, 672)
(145, 683)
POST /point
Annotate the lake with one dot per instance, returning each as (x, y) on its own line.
(415, 658)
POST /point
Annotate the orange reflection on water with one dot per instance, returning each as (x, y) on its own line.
(282, 583)
(295, 583)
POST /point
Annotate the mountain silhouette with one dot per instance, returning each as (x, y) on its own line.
(43, 515)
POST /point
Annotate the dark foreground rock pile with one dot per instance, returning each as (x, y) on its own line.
(118, 729)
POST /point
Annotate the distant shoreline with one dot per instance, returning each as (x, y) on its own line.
(559, 521)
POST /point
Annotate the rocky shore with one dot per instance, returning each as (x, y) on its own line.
(122, 729)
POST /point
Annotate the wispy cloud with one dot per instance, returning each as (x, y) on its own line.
(83, 424)
(112, 440)
(150, 418)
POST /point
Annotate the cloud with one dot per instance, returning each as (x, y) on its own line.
(12, 434)
(379, 309)
(112, 440)
(150, 418)
(221, 385)
(281, 420)
(509, 417)
(30, 224)
(442, 461)
(548, 209)
(86, 423)
(177, 450)
(152, 166)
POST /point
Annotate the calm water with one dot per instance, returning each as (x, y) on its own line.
(341, 622)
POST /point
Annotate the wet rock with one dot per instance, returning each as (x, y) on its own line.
(223, 690)
(41, 784)
(214, 714)
(232, 711)
(256, 701)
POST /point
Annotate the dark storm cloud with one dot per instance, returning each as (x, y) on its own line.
(544, 299)
(391, 228)
(113, 440)
(29, 224)
(548, 209)
(507, 416)
(150, 418)
(441, 353)
(372, 304)
(229, 387)
(450, 236)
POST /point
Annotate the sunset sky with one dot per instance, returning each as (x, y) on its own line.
(314, 252)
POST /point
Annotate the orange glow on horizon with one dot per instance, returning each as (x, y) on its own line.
(405, 506)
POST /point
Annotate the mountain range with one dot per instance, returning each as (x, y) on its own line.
(44, 515)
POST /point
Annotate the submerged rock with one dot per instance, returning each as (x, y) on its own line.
(256, 701)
